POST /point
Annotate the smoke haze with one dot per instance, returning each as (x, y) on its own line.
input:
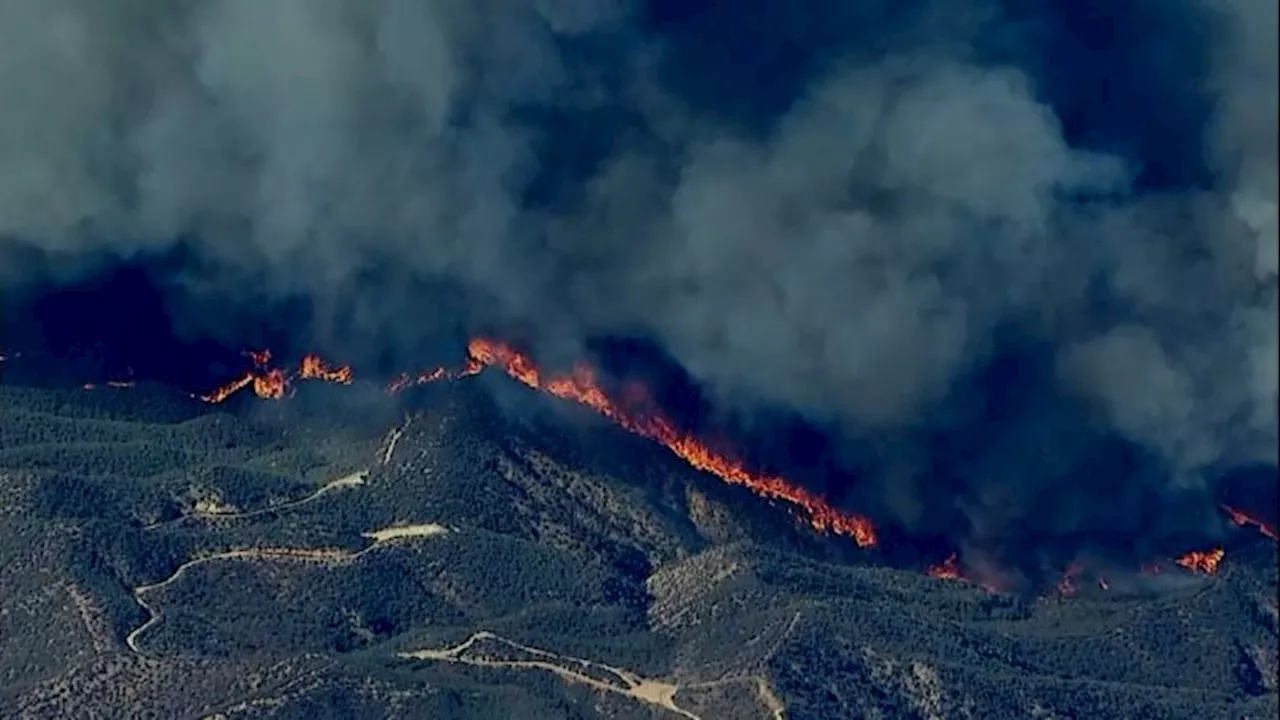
(847, 210)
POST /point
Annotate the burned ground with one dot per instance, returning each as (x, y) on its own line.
(162, 557)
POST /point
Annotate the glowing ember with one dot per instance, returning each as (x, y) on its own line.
(110, 384)
(405, 380)
(1067, 585)
(400, 382)
(1242, 519)
(948, 569)
(1202, 561)
(581, 386)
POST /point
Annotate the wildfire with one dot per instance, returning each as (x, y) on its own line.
(229, 389)
(1242, 519)
(581, 386)
(1202, 561)
(270, 385)
(1067, 585)
(948, 569)
(273, 383)
(315, 368)
(405, 380)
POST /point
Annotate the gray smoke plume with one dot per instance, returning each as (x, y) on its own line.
(847, 256)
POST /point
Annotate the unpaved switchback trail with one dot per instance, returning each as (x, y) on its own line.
(645, 690)
(381, 538)
(355, 479)
(393, 438)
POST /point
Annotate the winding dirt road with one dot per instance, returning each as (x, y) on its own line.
(646, 690)
(355, 479)
(592, 674)
(381, 538)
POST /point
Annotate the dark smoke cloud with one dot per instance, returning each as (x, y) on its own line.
(834, 207)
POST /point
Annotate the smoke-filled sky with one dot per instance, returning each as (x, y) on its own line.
(834, 207)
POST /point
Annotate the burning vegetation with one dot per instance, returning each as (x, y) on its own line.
(1242, 519)
(948, 569)
(580, 386)
(639, 414)
(273, 383)
(1202, 561)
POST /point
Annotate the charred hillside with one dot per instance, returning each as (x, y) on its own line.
(475, 549)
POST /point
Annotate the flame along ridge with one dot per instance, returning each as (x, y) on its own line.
(273, 383)
(582, 386)
(1242, 519)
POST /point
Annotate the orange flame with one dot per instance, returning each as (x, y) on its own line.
(1242, 519)
(1202, 561)
(581, 386)
(948, 569)
(315, 368)
(273, 383)
(231, 388)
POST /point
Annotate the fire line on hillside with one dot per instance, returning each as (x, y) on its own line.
(581, 386)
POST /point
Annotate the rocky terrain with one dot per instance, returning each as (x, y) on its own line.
(473, 550)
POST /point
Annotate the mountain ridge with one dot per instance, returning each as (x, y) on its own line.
(561, 535)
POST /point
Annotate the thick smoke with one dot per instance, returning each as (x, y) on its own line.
(832, 207)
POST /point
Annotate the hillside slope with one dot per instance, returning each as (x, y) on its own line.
(457, 556)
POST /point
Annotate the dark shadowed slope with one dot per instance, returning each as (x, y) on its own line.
(461, 557)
